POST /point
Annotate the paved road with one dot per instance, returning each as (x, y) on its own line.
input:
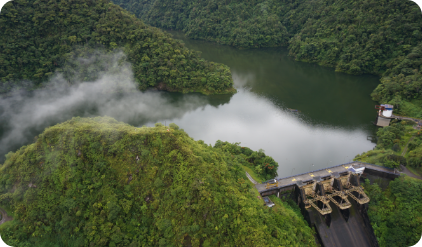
(409, 173)
(251, 179)
(418, 121)
(291, 180)
(5, 217)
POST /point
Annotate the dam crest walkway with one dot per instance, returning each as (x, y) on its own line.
(322, 173)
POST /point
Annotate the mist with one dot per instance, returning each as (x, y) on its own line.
(103, 84)
(114, 93)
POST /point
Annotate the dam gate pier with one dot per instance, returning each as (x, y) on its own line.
(333, 201)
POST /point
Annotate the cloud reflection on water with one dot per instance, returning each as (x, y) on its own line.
(258, 124)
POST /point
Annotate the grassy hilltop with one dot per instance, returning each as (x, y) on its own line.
(100, 182)
(39, 38)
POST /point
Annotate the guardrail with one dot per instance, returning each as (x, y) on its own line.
(348, 163)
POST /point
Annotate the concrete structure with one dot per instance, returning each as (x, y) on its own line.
(288, 183)
(385, 114)
(386, 110)
(333, 197)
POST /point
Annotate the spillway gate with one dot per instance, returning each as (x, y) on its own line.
(334, 184)
(345, 223)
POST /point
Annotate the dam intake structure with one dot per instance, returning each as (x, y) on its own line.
(333, 201)
(335, 189)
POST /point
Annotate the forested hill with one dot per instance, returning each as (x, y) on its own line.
(254, 23)
(360, 36)
(37, 38)
(99, 182)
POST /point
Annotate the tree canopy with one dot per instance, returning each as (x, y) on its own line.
(100, 182)
(396, 213)
(361, 36)
(37, 38)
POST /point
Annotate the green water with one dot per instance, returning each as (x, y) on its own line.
(331, 128)
(335, 118)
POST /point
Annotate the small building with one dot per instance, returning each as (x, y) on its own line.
(385, 114)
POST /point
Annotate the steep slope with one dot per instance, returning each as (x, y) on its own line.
(395, 213)
(401, 85)
(246, 24)
(356, 37)
(37, 38)
(99, 182)
(362, 36)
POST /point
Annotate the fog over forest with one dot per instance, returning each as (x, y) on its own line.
(114, 93)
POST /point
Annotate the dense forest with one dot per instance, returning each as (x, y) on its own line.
(397, 144)
(100, 182)
(396, 212)
(357, 37)
(38, 38)
(362, 36)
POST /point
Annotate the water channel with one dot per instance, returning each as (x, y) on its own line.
(331, 126)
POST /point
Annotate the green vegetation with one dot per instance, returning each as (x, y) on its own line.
(401, 85)
(323, 31)
(393, 140)
(360, 36)
(262, 166)
(396, 213)
(252, 174)
(239, 23)
(355, 37)
(100, 182)
(39, 38)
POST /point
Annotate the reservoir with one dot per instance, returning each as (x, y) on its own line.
(305, 116)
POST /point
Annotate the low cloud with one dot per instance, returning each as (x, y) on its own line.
(113, 93)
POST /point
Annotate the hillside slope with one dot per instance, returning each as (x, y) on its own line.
(38, 38)
(362, 36)
(246, 24)
(99, 182)
(395, 213)
(356, 37)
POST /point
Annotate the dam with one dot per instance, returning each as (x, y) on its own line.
(332, 201)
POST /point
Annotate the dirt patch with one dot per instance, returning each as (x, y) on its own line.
(161, 86)
(4, 217)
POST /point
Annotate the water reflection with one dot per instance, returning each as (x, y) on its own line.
(331, 128)
(323, 95)
(335, 109)
(259, 124)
